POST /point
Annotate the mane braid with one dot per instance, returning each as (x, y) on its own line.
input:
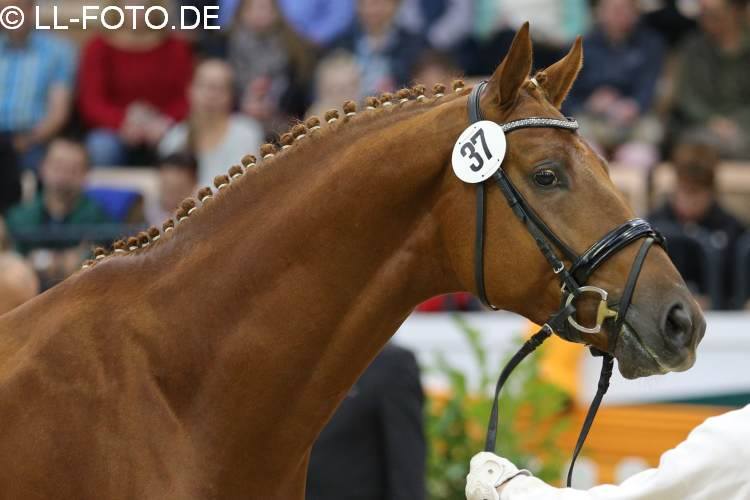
(221, 181)
(286, 140)
(386, 99)
(205, 194)
(299, 131)
(143, 239)
(248, 161)
(331, 115)
(350, 108)
(372, 102)
(235, 171)
(154, 234)
(311, 127)
(267, 150)
(312, 123)
(120, 246)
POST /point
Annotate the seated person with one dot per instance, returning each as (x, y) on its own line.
(132, 88)
(36, 81)
(434, 67)
(694, 204)
(554, 26)
(272, 64)
(178, 179)
(445, 23)
(373, 448)
(337, 75)
(18, 282)
(385, 53)
(217, 137)
(61, 204)
(712, 98)
(614, 93)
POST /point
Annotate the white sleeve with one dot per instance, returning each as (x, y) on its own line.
(712, 463)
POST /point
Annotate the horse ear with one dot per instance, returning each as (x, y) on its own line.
(507, 79)
(560, 76)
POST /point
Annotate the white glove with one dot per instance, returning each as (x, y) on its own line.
(487, 471)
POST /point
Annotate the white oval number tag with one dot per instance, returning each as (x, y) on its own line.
(479, 152)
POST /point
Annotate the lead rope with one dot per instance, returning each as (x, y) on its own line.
(527, 348)
(608, 364)
(607, 359)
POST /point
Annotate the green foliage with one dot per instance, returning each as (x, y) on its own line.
(456, 424)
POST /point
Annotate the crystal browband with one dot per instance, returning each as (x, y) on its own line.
(568, 123)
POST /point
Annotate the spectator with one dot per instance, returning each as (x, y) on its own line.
(273, 66)
(336, 78)
(614, 93)
(672, 19)
(212, 133)
(374, 448)
(133, 86)
(62, 204)
(18, 283)
(713, 85)
(694, 205)
(36, 78)
(318, 21)
(445, 23)
(386, 54)
(434, 67)
(178, 177)
(554, 23)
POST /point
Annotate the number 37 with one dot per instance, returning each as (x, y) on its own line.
(469, 149)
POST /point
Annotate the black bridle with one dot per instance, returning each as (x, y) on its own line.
(572, 279)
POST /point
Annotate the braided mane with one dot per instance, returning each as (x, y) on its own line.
(310, 129)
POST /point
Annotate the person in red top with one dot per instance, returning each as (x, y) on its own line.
(133, 86)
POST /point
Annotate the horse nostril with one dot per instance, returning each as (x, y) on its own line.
(678, 326)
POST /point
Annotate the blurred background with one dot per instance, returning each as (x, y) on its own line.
(103, 133)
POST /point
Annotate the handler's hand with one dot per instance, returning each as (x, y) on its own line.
(487, 473)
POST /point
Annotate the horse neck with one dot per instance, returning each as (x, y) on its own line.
(297, 278)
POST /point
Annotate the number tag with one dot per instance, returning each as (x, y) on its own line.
(479, 152)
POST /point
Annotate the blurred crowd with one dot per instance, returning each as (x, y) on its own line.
(664, 80)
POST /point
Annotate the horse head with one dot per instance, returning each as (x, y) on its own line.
(621, 297)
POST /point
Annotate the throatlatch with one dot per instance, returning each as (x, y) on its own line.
(572, 279)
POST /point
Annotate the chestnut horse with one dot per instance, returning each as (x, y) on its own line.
(202, 362)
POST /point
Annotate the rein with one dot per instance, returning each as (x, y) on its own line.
(572, 279)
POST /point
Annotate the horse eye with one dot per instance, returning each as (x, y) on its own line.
(545, 178)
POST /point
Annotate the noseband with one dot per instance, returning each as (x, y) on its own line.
(572, 279)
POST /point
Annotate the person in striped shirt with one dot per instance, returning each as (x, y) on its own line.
(37, 71)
